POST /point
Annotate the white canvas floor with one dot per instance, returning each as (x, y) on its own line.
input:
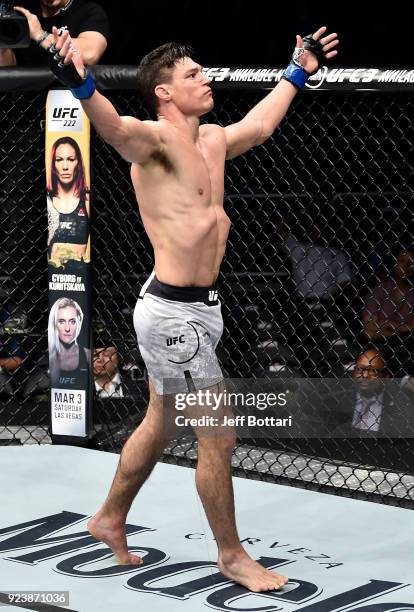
(339, 554)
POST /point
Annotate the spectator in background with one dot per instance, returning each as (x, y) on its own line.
(372, 406)
(369, 403)
(388, 315)
(86, 21)
(11, 355)
(108, 381)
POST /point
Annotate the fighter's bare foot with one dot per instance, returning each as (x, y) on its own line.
(250, 574)
(112, 534)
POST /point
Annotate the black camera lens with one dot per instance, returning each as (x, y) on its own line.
(14, 29)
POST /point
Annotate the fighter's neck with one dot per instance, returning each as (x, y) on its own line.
(188, 125)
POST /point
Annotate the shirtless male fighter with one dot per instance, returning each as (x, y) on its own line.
(177, 170)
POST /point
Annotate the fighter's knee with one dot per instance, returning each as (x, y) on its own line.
(227, 444)
(159, 421)
(214, 444)
(153, 418)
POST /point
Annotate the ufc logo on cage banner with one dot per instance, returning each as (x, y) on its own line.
(64, 112)
(68, 207)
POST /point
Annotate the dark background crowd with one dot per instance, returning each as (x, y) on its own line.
(240, 32)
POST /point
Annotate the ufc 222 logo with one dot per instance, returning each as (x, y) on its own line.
(68, 116)
(64, 112)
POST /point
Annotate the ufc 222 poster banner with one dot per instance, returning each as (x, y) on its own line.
(69, 261)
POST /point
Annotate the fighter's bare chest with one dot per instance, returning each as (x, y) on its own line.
(201, 164)
(193, 172)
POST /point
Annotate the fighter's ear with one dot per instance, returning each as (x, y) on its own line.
(162, 92)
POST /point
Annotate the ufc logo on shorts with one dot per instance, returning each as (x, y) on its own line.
(175, 339)
(212, 296)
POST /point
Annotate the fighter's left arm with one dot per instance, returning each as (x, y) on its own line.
(260, 123)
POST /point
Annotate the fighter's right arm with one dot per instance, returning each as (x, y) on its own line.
(135, 140)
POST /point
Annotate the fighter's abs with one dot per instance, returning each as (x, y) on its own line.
(182, 211)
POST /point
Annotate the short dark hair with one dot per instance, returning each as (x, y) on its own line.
(156, 68)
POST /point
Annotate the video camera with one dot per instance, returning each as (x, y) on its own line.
(14, 28)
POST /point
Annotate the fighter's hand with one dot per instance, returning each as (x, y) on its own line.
(314, 49)
(67, 65)
(67, 51)
(35, 28)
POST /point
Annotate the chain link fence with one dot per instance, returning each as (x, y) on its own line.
(318, 271)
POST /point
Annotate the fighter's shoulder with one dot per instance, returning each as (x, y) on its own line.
(153, 125)
(214, 136)
(133, 123)
(212, 131)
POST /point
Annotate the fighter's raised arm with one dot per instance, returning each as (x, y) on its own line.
(260, 123)
(135, 140)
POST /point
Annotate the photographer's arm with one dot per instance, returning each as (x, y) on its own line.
(91, 45)
(7, 57)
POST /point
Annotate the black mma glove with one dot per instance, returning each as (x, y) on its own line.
(294, 73)
(81, 88)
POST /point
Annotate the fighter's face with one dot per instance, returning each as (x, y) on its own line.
(66, 324)
(189, 89)
(66, 163)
